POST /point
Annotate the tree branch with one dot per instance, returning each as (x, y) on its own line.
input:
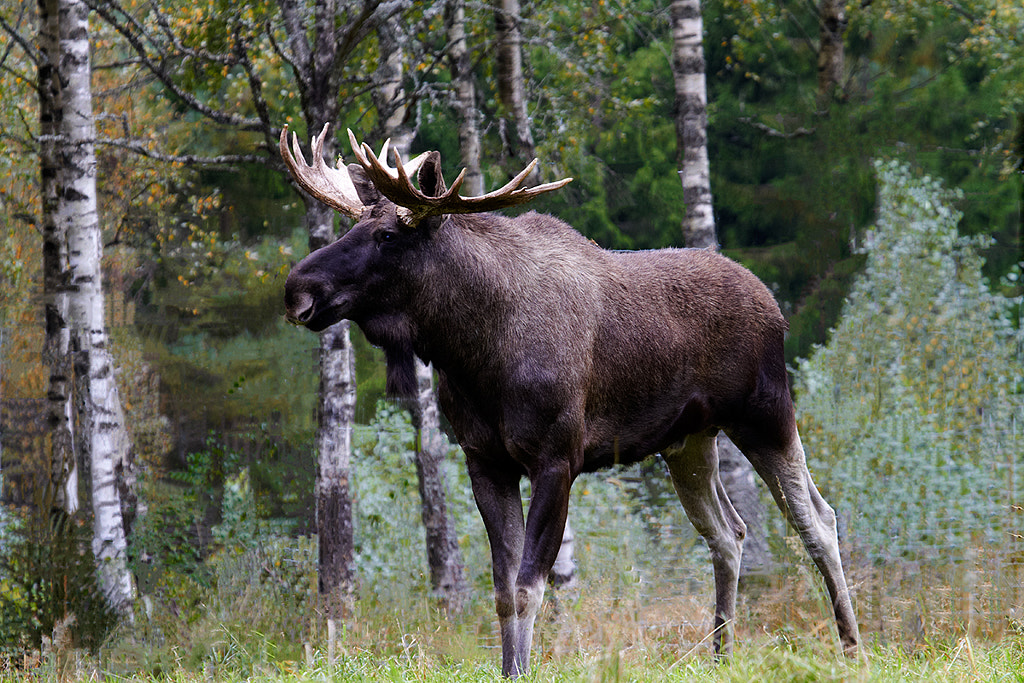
(140, 148)
(20, 41)
(774, 133)
(108, 9)
(180, 47)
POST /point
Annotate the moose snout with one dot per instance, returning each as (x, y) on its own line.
(299, 307)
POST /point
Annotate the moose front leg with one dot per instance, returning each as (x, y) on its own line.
(496, 491)
(545, 524)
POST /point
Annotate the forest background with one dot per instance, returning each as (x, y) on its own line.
(910, 406)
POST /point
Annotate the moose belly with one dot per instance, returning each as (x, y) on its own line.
(617, 440)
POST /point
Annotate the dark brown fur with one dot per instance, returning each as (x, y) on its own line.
(557, 357)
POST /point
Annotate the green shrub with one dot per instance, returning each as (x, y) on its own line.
(911, 413)
(48, 586)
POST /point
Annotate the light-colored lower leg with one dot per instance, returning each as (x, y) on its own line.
(528, 603)
(694, 469)
(790, 482)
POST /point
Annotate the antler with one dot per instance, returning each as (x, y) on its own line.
(396, 185)
(332, 186)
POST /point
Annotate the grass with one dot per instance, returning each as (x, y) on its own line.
(784, 633)
(797, 659)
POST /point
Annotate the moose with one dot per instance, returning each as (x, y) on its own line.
(556, 357)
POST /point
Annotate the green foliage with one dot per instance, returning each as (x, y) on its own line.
(918, 396)
(629, 521)
(390, 552)
(796, 183)
(48, 586)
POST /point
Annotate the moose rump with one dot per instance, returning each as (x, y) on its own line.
(556, 357)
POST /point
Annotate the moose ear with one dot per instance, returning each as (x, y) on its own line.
(430, 178)
(367, 191)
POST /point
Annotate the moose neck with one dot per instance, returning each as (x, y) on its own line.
(467, 291)
(460, 291)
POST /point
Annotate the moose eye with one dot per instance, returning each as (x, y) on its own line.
(386, 237)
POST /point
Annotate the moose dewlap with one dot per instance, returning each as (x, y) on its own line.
(557, 357)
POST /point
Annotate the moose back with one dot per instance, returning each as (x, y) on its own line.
(557, 357)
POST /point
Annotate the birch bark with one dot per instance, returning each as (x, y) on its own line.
(447, 571)
(831, 55)
(444, 557)
(317, 53)
(464, 96)
(57, 342)
(691, 123)
(563, 573)
(104, 440)
(511, 85)
(699, 231)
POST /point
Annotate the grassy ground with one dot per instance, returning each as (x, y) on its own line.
(796, 659)
(602, 635)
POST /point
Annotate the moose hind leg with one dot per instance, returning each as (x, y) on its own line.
(694, 470)
(785, 472)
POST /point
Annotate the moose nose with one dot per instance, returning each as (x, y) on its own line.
(299, 308)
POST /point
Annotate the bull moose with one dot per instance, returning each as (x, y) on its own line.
(556, 357)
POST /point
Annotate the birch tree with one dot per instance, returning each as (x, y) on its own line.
(57, 342)
(316, 51)
(699, 231)
(104, 439)
(464, 96)
(316, 40)
(444, 558)
(691, 123)
(511, 84)
(831, 54)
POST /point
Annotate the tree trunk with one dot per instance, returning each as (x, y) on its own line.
(318, 53)
(335, 418)
(511, 88)
(699, 231)
(57, 342)
(465, 96)
(447, 571)
(832, 25)
(444, 557)
(389, 97)
(104, 440)
(691, 124)
(563, 574)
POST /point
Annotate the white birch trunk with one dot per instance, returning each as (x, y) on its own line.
(313, 37)
(511, 84)
(563, 573)
(337, 405)
(388, 94)
(57, 342)
(464, 100)
(335, 419)
(699, 231)
(105, 440)
(691, 123)
(444, 557)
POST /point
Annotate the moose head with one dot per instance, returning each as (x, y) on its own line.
(394, 220)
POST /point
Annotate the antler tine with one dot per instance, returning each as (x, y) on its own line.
(512, 186)
(332, 186)
(508, 195)
(396, 185)
(403, 175)
(453, 191)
